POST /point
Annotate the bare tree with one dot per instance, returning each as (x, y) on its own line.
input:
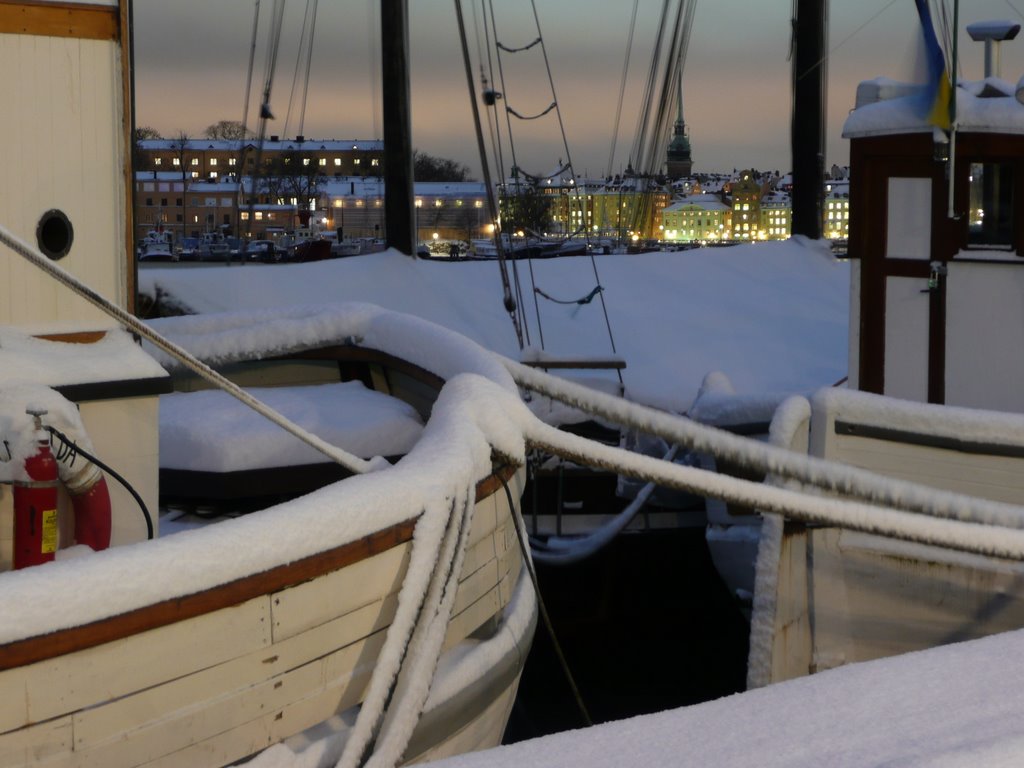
(292, 175)
(227, 129)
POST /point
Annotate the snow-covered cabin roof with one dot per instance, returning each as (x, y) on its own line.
(885, 107)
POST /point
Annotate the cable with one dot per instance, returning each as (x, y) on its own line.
(545, 616)
(70, 447)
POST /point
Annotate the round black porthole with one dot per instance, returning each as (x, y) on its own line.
(54, 234)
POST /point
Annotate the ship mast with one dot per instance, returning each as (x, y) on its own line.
(398, 174)
(808, 127)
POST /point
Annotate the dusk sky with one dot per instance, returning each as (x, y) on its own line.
(191, 58)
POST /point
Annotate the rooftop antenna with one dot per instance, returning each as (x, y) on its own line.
(992, 33)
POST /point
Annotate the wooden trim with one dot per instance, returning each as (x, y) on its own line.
(78, 20)
(976, 447)
(128, 130)
(350, 353)
(115, 390)
(74, 337)
(34, 649)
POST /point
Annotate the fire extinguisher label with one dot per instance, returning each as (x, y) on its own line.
(49, 543)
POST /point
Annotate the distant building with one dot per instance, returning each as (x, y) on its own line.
(837, 209)
(696, 219)
(746, 206)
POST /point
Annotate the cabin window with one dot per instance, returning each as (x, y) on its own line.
(990, 217)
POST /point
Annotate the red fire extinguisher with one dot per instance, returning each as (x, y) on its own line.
(35, 505)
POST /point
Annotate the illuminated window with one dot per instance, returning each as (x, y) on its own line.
(375, 162)
(356, 161)
(337, 161)
(305, 161)
(232, 162)
(175, 162)
(213, 161)
(259, 215)
(244, 215)
(322, 161)
(213, 174)
(157, 161)
(195, 161)
(419, 203)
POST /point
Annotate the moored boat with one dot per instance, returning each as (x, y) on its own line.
(319, 623)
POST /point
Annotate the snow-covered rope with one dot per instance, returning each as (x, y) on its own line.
(568, 551)
(507, 412)
(417, 674)
(344, 458)
(835, 478)
(405, 666)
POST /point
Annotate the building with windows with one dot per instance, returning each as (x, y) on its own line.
(746, 193)
(696, 219)
(837, 209)
(215, 158)
(354, 206)
(776, 216)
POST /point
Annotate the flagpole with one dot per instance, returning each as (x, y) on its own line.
(950, 212)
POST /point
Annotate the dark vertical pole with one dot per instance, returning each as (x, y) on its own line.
(808, 128)
(398, 191)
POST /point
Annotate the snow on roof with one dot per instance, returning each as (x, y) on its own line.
(887, 107)
(55, 363)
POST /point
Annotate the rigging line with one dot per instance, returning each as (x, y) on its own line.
(309, 61)
(375, 66)
(526, 47)
(845, 40)
(510, 304)
(136, 326)
(500, 225)
(622, 89)
(576, 192)
(248, 76)
(303, 43)
(643, 114)
(270, 65)
(1015, 9)
(494, 133)
(581, 301)
(531, 117)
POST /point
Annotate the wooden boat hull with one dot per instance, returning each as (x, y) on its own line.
(216, 676)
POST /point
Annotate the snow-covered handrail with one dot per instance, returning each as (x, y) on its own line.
(344, 458)
(829, 476)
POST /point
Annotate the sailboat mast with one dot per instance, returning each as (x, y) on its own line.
(808, 127)
(398, 175)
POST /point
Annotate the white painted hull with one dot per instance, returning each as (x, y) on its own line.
(826, 596)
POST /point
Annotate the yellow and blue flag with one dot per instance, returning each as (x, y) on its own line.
(937, 89)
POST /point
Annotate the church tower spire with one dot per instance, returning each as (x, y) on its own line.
(680, 160)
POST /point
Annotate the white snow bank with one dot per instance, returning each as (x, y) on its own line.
(772, 316)
(954, 706)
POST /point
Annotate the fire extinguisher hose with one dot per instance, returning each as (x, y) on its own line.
(67, 444)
